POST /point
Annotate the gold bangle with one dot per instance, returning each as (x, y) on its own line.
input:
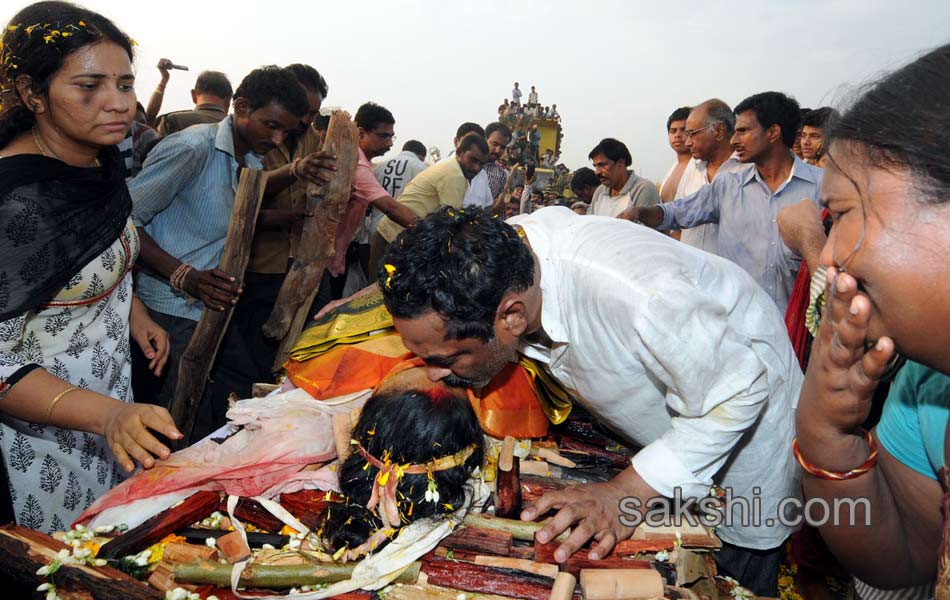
(57, 398)
(160, 91)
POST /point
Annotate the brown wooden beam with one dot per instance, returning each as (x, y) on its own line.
(317, 239)
(196, 361)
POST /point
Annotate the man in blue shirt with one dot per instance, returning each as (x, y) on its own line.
(182, 202)
(746, 203)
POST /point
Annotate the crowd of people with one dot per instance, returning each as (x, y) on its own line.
(721, 353)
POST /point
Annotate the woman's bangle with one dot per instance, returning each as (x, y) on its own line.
(159, 91)
(838, 475)
(57, 398)
(293, 168)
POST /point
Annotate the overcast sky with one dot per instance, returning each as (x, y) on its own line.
(613, 68)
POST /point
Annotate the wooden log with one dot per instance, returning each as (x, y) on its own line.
(276, 576)
(518, 564)
(616, 459)
(564, 585)
(469, 577)
(163, 579)
(473, 539)
(251, 511)
(234, 547)
(533, 487)
(309, 505)
(179, 552)
(553, 457)
(254, 539)
(540, 468)
(578, 561)
(194, 508)
(631, 584)
(423, 591)
(23, 551)
(506, 455)
(196, 361)
(519, 530)
(318, 236)
(508, 490)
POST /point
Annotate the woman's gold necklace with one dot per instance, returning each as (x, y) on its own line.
(49, 153)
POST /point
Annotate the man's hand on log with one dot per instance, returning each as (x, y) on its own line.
(592, 510)
(127, 433)
(215, 288)
(317, 167)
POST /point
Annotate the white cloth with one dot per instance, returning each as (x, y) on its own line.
(705, 237)
(479, 192)
(676, 350)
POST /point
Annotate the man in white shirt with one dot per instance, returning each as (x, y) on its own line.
(677, 351)
(676, 133)
(533, 97)
(709, 129)
(619, 187)
(516, 94)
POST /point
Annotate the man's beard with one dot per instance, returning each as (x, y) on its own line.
(500, 357)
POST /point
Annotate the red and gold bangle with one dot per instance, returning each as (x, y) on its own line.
(838, 475)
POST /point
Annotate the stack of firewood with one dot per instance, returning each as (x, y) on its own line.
(487, 557)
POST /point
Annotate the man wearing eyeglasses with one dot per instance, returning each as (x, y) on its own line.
(746, 203)
(709, 127)
(376, 136)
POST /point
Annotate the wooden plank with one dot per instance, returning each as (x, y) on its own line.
(317, 238)
(196, 361)
(194, 508)
(481, 579)
(479, 541)
(23, 551)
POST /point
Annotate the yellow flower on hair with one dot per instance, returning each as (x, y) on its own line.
(390, 272)
(82, 23)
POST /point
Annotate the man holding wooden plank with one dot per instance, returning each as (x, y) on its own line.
(182, 204)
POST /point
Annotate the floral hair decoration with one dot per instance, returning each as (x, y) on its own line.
(390, 473)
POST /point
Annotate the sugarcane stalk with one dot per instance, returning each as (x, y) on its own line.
(519, 530)
(275, 576)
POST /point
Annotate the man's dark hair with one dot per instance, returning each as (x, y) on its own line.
(613, 149)
(26, 51)
(416, 147)
(820, 117)
(467, 128)
(901, 122)
(273, 84)
(500, 128)
(472, 140)
(371, 115)
(215, 83)
(310, 78)
(322, 122)
(679, 114)
(583, 177)
(774, 108)
(459, 263)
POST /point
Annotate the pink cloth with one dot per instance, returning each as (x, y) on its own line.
(280, 436)
(365, 190)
